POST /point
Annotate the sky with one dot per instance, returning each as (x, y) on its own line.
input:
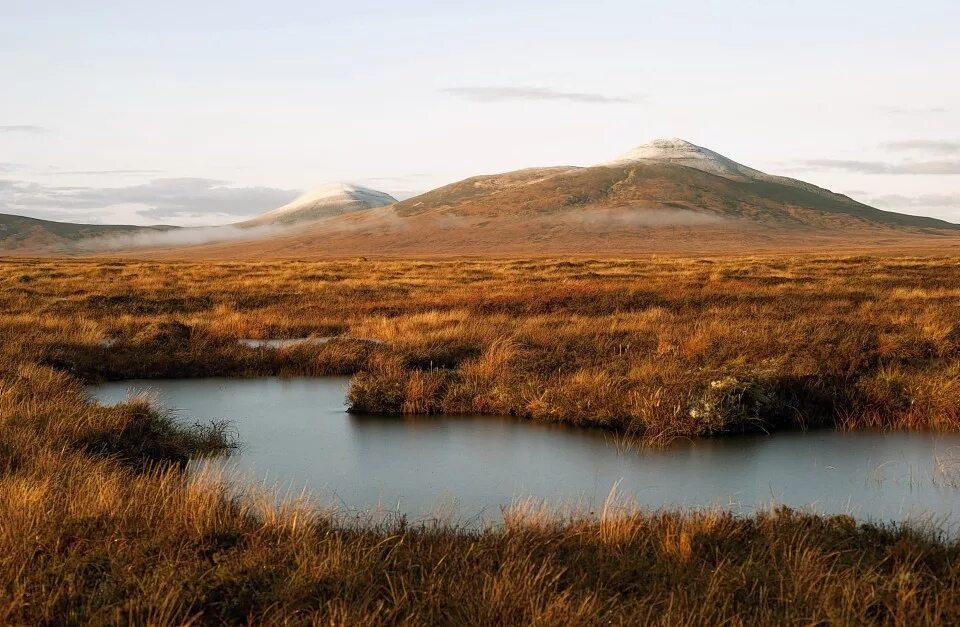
(207, 112)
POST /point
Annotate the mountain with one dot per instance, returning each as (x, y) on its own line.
(663, 175)
(20, 232)
(682, 152)
(327, 201)
(665, 196)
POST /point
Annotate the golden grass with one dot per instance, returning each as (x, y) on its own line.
(657, 348)
(99, 524)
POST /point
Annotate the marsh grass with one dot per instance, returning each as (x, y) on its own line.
(99, 523)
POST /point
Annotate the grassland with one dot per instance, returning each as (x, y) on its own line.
(100, 524)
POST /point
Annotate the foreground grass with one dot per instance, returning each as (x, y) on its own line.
(100, 524)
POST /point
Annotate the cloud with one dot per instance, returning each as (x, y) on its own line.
(913, 110)
(387, 180)
(923, 200)
(104, 172)
(400, 187)
(160, 200)
(21, 128)
(504, 94)
(943, 166)
(924, 145)
(943, 206)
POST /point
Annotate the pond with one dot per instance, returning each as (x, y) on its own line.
(284, 343)
(296, 434)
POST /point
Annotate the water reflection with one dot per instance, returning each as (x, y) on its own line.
(296, 433)
(283, 343)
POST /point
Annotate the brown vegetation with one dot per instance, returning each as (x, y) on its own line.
(648, 186)
(656, 348)
(99, 524)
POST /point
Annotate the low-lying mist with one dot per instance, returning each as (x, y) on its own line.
(383, 221)
(640, 216)
(187, 236)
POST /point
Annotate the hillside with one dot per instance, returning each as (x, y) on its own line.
(663, 197)
(19, 234)
(664, 175)
(23, 233)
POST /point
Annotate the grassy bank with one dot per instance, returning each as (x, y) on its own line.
(100, 524)
(655, 348)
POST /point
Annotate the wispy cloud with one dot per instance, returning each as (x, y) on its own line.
(169, 200)
(21, 128)
(924, 145)
(104, 172)
(387, 180)
(401, 187)
(505, 94)
(943, 206)
(923, 200)
(913, 110)
(942, 166)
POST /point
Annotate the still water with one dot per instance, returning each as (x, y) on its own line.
(296, 434)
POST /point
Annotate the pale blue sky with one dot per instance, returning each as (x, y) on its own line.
(199, 112)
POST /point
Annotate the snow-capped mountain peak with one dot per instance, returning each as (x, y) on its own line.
(325, 201)
(685, 153)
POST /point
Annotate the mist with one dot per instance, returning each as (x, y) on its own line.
(383, 220)
(186, 236)
(638, 216)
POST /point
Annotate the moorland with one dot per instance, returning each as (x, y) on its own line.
(102, 524)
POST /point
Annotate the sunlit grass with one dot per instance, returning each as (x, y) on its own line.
(99, 523)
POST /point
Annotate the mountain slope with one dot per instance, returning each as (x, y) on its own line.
(666, 196)
(327, 201)
(662, 175)
(20, 232)
(682, 152)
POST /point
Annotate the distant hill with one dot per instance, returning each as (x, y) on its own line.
(327, 201)
(665, 196)
(664, 175)
(19, 232)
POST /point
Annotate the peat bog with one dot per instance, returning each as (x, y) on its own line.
(645, 351)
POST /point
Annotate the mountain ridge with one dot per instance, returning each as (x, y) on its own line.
(665, 194)
(682, 152)
(23, 232)
(662, 174)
